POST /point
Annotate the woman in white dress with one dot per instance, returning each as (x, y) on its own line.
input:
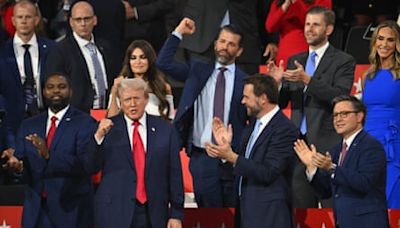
(139, 62)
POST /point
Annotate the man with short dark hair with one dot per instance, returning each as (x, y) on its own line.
(59, 193)
(311, 81)
(264, 162)
(210, 90)
(353, 172)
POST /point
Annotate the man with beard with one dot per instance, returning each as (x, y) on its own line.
(59, 192)
(311, 81)
(211, 90)
(264, 162)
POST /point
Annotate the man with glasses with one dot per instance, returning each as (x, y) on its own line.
(309, 84)
(86, 59)
(353, 172)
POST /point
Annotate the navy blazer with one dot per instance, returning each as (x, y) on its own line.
(68, 187)
(66, 57)
(358, 186)
(10, 80)
(115, 196)
(267, 174)
(195, 75)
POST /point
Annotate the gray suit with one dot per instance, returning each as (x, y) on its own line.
(333, 77)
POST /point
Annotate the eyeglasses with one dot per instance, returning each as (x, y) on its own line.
(343, 114)
(82, 19)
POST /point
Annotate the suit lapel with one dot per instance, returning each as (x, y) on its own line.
(325, 62)
(265, 134)
(62, 127)
(42, 50)
(353, 150)
(12, 61)
(120, 132)
(151, 132)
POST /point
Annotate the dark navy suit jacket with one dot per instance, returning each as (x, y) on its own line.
(10, 80)
(195, 75)
(68, 187)
(265, 191)
(358, 186)
(115, 197)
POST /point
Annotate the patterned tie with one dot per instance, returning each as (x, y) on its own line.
(52, 131)
(310, 69)
(343, 154)
(99, 74)
(29, 84)
(250, 144)
(139, 158)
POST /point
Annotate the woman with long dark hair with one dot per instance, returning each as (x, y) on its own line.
(139, 62)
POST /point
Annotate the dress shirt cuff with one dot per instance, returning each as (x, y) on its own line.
(177, 34)
(310, 174)
(135, 13)
(99, 141)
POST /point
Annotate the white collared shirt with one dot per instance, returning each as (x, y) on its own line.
(142, 130)
(59, 116)
(266, 119)
(86, 54)
(19, 52)
(204, 105)
(320, 52)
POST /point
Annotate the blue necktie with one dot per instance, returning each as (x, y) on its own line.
(250, 144)
(310, 69)
(99, 74)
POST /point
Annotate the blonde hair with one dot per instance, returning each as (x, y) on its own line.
(374, 57)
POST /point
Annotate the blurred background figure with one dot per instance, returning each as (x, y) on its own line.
(146, 19)
(139, 62)
(287, 17)
(210, 15)
(383, 119)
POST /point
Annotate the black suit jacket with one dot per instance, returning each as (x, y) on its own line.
(66, 57)
(333, 77)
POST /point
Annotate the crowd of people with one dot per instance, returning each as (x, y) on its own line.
(333, 150)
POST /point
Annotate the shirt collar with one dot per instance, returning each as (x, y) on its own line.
(18, 42)
(320, 51)
(142, 120)
(59, 114)
(82, 42)
(230, 67)
(350, 139)
(267, 117)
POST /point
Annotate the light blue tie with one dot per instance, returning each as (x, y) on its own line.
(99, 74)
(252, 140)
(310, 69)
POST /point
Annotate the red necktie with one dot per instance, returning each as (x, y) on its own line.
(52, 131)
(139, 158)
(343, 154)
